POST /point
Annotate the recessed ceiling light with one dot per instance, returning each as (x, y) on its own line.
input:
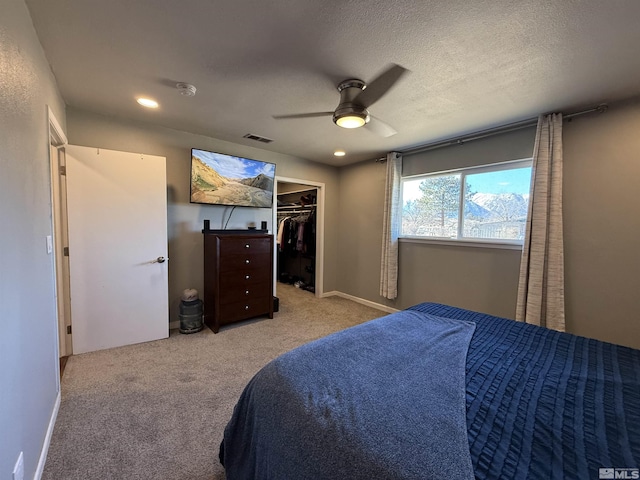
(339, 153)
(147, 102)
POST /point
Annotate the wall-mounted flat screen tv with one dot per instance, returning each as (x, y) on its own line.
(220, 179)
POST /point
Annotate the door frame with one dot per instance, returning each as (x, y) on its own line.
(57, 141)
(319, 270)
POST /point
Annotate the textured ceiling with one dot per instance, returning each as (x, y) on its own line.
(473, 64)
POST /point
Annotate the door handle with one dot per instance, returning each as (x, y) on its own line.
(160, 260)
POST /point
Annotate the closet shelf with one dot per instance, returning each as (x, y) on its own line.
(294, 192)
(282, 207)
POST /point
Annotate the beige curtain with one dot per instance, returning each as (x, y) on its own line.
(541, 285)
(391, 228)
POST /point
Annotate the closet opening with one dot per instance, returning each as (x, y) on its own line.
(298, 230)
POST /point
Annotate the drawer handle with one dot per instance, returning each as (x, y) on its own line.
(246, 307)
(246, 245)
(247, 277)
(246, 292)
(246, 261)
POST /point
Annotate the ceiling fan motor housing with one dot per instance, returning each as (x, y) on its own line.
(349, 90)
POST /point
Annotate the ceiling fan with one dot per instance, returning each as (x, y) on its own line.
(355, 99)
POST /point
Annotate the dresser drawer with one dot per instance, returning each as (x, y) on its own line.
(237, 279)
(235, 311)
(241, 293)
(249, 246)
(245, 262)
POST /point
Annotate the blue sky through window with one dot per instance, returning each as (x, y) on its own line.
(504, 181)
(516, 180)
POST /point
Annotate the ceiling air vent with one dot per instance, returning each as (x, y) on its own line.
(257, 138)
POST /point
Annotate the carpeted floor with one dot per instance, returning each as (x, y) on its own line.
(157, 410)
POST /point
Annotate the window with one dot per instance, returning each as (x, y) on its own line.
(486, 203)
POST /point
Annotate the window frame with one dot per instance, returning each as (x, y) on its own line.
(461, 240)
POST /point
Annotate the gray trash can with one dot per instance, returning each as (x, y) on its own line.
(190, 312)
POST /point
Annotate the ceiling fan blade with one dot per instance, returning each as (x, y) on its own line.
(304, 115)
(380, 85)
(380, 128)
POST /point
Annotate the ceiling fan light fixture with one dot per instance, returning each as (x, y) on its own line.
(351, 120)
(355, 99)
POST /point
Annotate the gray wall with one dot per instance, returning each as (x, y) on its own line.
(360, 237)
(602, 224)
(185, 220)
(602, 227)
(28, 343)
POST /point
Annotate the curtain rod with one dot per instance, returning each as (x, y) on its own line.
(495, 131)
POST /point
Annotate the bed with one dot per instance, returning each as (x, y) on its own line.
(440, 392)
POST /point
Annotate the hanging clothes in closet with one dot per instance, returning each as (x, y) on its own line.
(296, 239)
(297, 232)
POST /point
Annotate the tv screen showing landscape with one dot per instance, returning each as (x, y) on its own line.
(220, 179)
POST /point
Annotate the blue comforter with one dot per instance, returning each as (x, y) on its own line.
(547, 405)
(380, 400)
(366, 403)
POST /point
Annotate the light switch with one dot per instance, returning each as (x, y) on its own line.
(49, 244)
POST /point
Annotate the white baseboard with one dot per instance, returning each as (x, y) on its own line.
(368, 303)
(47, 439)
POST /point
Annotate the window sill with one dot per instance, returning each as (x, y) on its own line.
(463, 243)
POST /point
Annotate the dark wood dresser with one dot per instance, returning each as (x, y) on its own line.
(238, 277)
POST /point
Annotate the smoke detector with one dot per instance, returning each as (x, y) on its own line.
(186, 89)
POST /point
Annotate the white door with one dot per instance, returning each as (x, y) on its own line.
(60, 232)
(117, 214)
